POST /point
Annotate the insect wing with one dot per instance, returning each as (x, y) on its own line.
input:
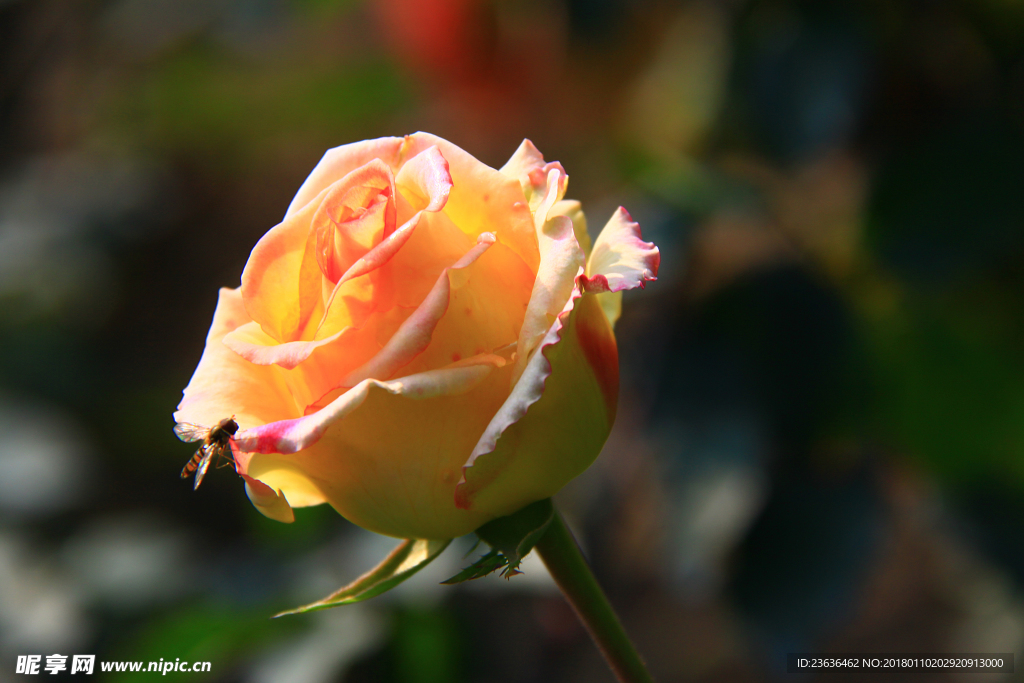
(204, 465)
(188, 432)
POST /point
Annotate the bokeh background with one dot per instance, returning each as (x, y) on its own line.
(820, 442)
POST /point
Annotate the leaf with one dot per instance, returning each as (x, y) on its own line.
(516, 534)
(482, 567)
(511, 538)
(409, 557)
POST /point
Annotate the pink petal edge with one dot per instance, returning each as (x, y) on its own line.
(620, 259)
(527, 391)
(294, 435)
(527, 165)
(562, 259)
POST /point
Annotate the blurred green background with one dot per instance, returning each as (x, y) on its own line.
(820, 442)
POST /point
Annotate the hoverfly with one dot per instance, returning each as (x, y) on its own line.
(216, 444)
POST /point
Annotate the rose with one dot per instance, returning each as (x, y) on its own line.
(423, 342)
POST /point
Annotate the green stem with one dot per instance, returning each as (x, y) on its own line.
(562, 556)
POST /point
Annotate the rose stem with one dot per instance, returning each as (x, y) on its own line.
(563, 558)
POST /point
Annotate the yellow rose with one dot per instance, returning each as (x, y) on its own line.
(423, 342)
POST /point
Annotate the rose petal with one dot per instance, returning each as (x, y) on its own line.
(525, 159)
(383, 252)
(355, 297)
(572, 209)
(527, 165)
(386, 455)
(561, 262)
(415, 333)
(555, 420)
(357, 212)
(436, 244)
(339, 161)
(611, 304)
(312, 369)
(354, 307)
(426, 179)
(317, 366)
(283, 477)
(253, 344)
(225, 384)
(368, 286)
(268, 501)
(487, 302)
(292, 436)
(350, 304)
(620, 259)
(281, 280)
(483, 199)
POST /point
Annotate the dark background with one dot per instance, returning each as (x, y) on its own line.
(820, 442)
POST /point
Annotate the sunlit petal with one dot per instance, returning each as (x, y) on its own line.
(621, 259)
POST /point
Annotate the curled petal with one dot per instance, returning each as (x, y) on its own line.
(426, 179)
(254, 345)
(487, 301)
(339, 161)
(561, 263)
(283, 476)
(225, 384)
(554, 422)
(414, 335)
(357, 212)
(313, 369)
(436, 244)
(281, 280)
(621, 259)
(386, 455)
(383, 252)
(350, 304)
(353, 299)
(482, 199)
(525, 159)
(269, 502)
(527, 165)
(364, 313)
(574, 211)
(291, 436)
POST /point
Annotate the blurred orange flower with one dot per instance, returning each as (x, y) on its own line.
(423, 342)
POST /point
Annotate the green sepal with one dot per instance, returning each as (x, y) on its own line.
(516, 534)
(482, 567)
(511, 538)
(409, 557)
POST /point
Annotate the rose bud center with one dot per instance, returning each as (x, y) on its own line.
(354, 218)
